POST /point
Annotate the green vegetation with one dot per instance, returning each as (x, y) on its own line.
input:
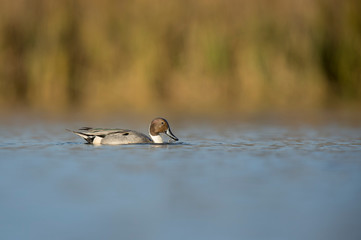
(198, 56)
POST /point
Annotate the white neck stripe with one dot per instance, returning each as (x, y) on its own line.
(156, 139)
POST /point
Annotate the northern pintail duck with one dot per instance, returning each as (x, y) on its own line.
(124, 136)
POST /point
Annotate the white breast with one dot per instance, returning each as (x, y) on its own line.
(156, 139)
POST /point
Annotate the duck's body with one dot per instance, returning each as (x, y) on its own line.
(125, 136)
(112, 136)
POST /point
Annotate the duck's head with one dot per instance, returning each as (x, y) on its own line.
(157, 126)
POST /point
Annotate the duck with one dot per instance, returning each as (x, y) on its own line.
(114, 136)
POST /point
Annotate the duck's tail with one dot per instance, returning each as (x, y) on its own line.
(86, 137)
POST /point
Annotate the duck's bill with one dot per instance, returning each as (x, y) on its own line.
(171, 135)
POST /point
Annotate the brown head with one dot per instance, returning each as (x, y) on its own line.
(160, 125)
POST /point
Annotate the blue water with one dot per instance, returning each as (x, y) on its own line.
(228, 181)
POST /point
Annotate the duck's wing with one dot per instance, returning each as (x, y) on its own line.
(91, 134)
(125, 137)
(101, 131)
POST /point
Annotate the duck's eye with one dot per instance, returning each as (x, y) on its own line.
(162, 122)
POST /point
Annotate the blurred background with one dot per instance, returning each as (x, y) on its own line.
(206, 56)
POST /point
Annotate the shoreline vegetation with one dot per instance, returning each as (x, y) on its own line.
(189, 56)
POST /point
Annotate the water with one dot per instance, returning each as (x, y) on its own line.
(230, 181)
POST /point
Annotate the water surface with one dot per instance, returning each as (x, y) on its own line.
(238, 181)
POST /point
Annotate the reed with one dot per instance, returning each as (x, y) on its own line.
(199, 56)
